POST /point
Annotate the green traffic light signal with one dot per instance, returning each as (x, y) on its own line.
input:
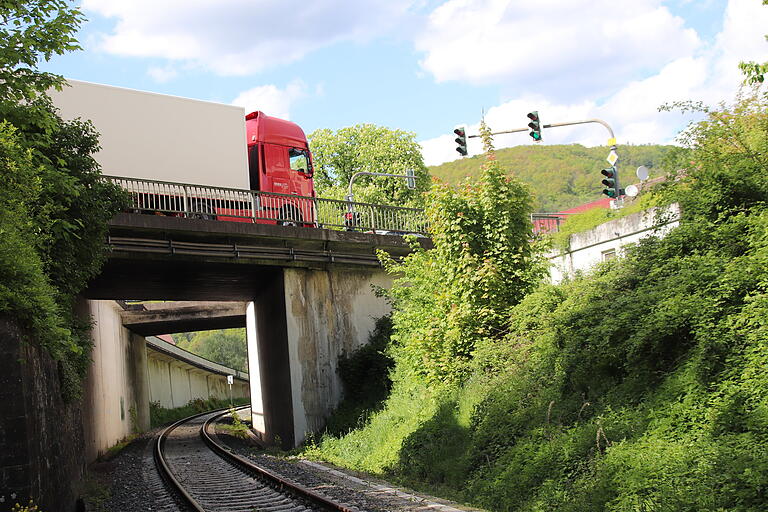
(461, 140)
(534, 125)
(610, 181)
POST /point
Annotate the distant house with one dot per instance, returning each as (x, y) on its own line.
(549, 222)
(166, 338)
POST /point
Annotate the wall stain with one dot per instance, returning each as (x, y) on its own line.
(330, 312)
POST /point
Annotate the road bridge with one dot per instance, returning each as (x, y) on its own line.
(305, 296)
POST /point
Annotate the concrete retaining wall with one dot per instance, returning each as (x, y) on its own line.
(116, 398)
(41, 437)
(176, 376)
(128, 371)
(608, 240)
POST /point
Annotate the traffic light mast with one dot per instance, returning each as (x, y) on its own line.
(611, 174)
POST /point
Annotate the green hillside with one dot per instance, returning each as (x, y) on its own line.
(561, 176)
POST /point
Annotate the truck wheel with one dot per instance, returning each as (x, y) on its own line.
(201, 210)
(292, 217)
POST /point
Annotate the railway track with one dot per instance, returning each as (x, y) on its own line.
(207, 477)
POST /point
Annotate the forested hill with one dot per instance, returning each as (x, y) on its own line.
(561, 176)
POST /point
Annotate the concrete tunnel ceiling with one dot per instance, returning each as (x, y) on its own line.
(187, 316)
(135, 279)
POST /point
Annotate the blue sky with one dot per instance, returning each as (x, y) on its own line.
(426, 66)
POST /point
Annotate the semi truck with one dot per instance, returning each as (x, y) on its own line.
(155, 144)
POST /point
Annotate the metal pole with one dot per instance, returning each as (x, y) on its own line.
(612, 141)
(553, 125)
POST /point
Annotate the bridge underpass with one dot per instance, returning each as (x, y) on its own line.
(308, 296)
(150, 319)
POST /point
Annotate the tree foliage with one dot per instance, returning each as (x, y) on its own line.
(32, 31)
(450, 297)
(754, 72)
(227, 347)
(370, 148)
(641, 386)
(54, 207)
(560, 176)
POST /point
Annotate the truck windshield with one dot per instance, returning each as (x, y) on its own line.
(299, 160)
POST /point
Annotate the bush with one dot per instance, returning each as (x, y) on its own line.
(640, 386)
(365, 376)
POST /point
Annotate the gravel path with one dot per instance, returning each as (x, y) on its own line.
(133, 482)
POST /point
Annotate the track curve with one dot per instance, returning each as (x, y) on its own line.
(208, 477)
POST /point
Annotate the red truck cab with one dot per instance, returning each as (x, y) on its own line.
(279, 160)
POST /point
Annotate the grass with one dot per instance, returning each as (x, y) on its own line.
(159, 415)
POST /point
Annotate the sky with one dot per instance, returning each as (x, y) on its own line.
(427, 66)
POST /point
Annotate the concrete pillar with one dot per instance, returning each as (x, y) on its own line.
(328, 312)
(254, 371)
(140, 377)
(268, 364)
(297, 327)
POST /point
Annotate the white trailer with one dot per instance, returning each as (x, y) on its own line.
(159, 137)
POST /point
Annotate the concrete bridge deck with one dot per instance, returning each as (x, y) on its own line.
(159, 257)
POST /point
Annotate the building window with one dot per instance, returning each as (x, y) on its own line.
(608, 255)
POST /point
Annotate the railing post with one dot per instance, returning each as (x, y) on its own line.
(185, 196)
(373, 218)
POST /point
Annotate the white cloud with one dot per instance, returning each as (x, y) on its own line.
(239, 37)
(272, 100)
(567, 45)
(162, 74)
(710, 75)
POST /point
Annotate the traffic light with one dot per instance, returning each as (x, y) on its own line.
(534, 125)
(611, 182)
(411, 179)
(461, 140)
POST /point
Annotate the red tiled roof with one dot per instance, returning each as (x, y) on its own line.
(604, 202)
(166, 338)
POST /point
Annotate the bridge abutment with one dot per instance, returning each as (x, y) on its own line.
(298, 326)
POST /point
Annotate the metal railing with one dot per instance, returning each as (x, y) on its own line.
(204, 202)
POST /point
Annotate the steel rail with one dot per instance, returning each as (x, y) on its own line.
(266, 475)
(273, 481)
(165, 471)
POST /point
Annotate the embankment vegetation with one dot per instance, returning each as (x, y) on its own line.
(159, 415)
(54, 207)
(640, 386)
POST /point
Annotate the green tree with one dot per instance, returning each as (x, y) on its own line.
(55, 208)
(227, 347)
(448, 298)
(367, 147)
(640, 386)
(31, 31)
(560, 176)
